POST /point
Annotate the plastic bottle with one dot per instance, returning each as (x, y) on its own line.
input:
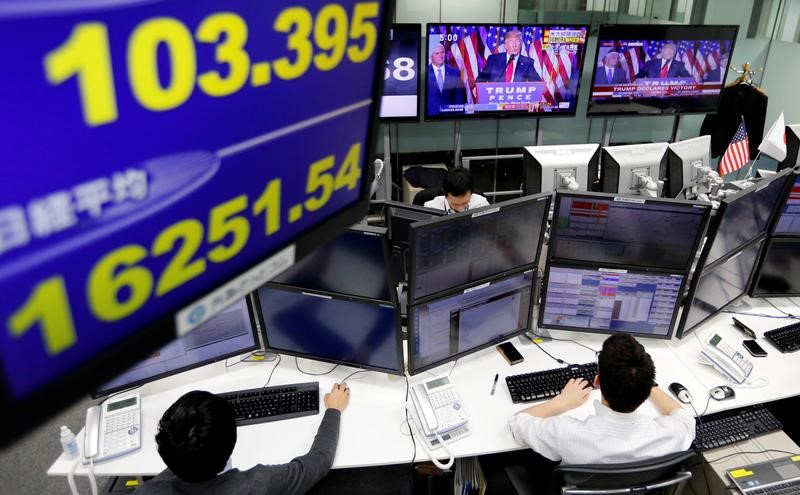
(68, 443)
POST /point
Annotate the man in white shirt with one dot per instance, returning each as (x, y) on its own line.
(458, 195)
(615, 433)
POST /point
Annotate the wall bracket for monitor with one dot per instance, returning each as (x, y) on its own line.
(645, 185)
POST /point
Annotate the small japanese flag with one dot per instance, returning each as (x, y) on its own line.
(774, 143)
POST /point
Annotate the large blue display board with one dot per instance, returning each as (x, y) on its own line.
(152, 150)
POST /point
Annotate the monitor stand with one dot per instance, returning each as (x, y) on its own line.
(539, 333)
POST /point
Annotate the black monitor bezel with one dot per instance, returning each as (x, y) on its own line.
(724, 204)
(779, 212)
(412, 369)
(505, 115)
(460, 217)
(596, 267)
(681, 330)
(385, 247)
(416, 117)
(100, 392)
(771, 241)
(388, 205)
(707, 207)
(340, 297)
(624, 29)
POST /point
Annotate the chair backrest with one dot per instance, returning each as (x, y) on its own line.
(659, 473)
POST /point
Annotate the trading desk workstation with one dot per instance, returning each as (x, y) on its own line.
(670, 272)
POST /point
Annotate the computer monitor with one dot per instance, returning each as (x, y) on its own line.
(633, 169)
(779, 269)
(684, 158)
(333, 328)
(632, 75)
(792, 159)
(228, 334)
(355, 263)
(716, 287)
(788, 223)
(743, 216)
(457, 250)
(462, 322)
(401, 74)
(626, 232)
(571, 167)
(607, 300)
(465, 67)
(398, 219)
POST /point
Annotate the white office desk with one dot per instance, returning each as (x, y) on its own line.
(372, 430)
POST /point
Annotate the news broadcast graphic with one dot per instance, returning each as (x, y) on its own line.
(660, 69)
(400, 99)
(491, 70)
(162, 159)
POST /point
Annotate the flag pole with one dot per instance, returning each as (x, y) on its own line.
(750, 170)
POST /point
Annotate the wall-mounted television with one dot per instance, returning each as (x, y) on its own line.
(400, 100)
(659, 70)
(502, 70)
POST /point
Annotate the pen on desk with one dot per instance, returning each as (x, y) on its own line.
(494, 385)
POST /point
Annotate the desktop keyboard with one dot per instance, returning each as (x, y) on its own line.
(260, 405)
(538, 385)
(785, 488)
(737, 425)
(786, 339)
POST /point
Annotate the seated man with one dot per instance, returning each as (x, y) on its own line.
(458, 196)
(197, 434)
(615, 433)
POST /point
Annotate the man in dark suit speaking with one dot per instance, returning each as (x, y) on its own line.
(611, 72)
(664, 66)
(509, 66)
(444, 83)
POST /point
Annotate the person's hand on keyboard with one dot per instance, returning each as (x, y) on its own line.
(338, 398)
(574, 393)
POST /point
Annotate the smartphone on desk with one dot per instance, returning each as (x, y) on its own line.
(753, 348)
(510, 353)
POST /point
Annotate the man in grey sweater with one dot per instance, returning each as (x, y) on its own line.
(197, 434)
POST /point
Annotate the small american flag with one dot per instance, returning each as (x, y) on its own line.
(738, 152)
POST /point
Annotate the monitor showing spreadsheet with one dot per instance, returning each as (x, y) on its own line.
(607, 300)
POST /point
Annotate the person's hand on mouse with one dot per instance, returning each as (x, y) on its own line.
(338, 398)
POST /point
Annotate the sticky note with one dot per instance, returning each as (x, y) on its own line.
(796, 458)
(132, 483)
(741, 473)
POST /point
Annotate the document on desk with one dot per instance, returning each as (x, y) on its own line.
(468, 478)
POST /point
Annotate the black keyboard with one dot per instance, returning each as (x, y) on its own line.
(737, 425)
(785, 488)
(539, 385)
(786, 339)
(260, 405)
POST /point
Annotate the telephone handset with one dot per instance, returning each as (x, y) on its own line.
(727, 360)
(112, 429)
(438, 407)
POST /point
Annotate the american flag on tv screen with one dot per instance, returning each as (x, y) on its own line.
(738, 152)
(474, 44)
(701, 57)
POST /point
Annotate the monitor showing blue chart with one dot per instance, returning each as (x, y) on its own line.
(451, 326)
(607, 300)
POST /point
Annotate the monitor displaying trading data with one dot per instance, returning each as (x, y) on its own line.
(605, 229)
(609, 300)
(789, 220)
(745, 216)
(718, 287)
(455, 250)
(448, 327)
(779, 272)
(229, 333)
(355, 263)
(338, 329)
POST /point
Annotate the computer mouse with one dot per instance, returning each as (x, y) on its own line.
(722, 392)
(680, 392)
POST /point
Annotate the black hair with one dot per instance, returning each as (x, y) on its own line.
(627, 373)
(196, 436)
(457, 182)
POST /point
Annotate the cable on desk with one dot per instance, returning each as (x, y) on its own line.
(313, 374)
(761, 315)
(274, 367)
(575, 342)
(790, 315)
(351, 374)
(413, 442)
(559, 361)
(452, 368)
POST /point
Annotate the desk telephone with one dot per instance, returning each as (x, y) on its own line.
(438, 407)
(112, 429)
(727, 360)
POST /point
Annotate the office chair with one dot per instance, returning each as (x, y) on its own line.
(662, 475)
